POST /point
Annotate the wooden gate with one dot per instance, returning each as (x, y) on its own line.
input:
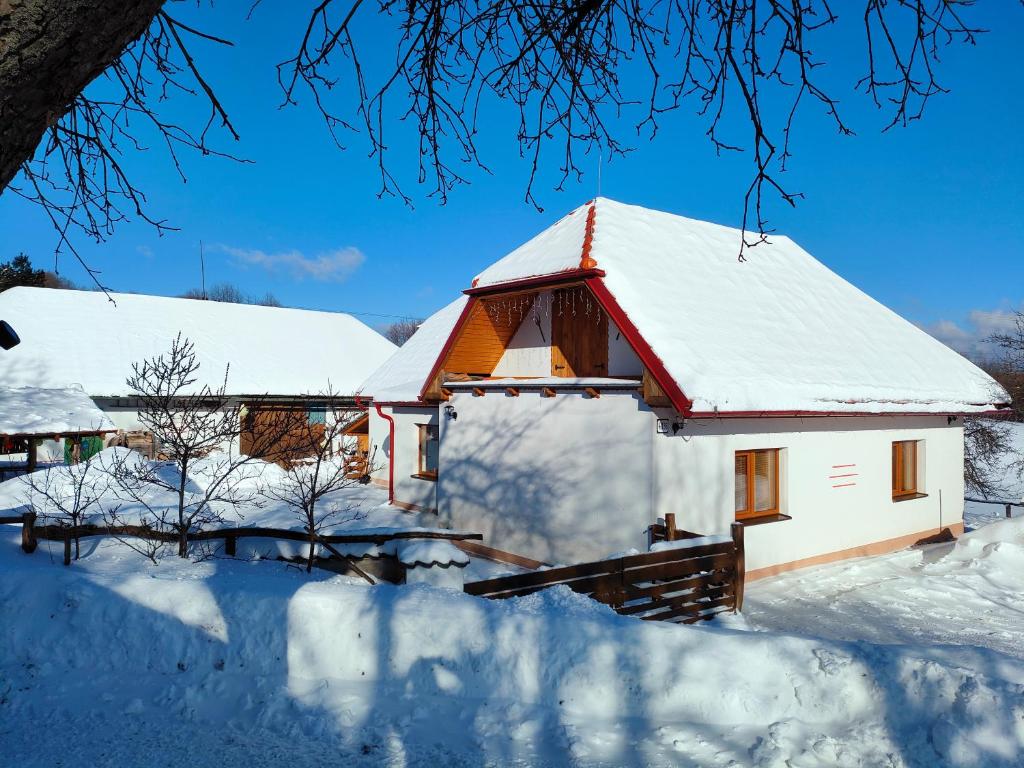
(688, 581)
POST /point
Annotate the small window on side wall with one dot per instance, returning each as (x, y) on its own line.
(757, 483)
(429, 445)
(904, 469)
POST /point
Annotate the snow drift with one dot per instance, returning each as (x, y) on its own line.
(228, 663)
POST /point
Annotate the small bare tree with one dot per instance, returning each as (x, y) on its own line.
(320, 465)
(67, 494)
(991, 459)
(196, 426)
(401, 331)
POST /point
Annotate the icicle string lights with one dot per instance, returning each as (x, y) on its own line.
(563, 302)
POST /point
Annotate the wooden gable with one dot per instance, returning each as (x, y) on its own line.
(579, 339)
(482, 339)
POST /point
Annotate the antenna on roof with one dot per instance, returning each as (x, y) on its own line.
(202, 269)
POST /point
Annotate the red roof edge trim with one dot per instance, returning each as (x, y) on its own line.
(556, 278)
(819, 414)
(448, 344)
(586, 260)
(643, 350)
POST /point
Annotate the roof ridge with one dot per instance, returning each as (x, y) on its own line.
(587, 261)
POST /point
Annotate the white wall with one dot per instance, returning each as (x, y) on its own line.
(694, 479)
(405, 453)
(529, 350)
(570, 478)
(561, 479)
(622, 360)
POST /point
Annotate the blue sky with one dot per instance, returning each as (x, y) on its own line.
(925, 219)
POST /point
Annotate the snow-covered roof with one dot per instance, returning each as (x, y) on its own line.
(81, 338)
(401, 378)
(35, 411)
(777, 332)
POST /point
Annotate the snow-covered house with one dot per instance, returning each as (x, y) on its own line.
(281, 358)
(624, 364)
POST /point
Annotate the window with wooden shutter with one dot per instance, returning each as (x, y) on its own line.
(757, 483)
(904, 469)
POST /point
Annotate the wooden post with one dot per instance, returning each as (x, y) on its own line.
(229, 545)
(1008, 506)
(67, 546)
(28, 532)
(32, 455)
(670, 526)
(741, 564)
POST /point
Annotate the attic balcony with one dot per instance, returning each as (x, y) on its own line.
(546, 386)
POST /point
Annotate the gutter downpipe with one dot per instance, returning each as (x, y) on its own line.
(391, 458)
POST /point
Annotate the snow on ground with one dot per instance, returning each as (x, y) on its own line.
(114, 662)
(360, 507)
(970, 593)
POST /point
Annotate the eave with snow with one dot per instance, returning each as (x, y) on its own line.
(31, 414)
(625, 349)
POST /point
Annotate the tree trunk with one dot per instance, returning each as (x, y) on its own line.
(50, 50)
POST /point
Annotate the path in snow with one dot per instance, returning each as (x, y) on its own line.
(968, 593)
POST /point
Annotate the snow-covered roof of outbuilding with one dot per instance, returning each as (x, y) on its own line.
(82, 338)
(35, 411)
(401, 378)
(779, 332)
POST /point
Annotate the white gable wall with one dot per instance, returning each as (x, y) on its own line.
(529, 350)
(561, 479)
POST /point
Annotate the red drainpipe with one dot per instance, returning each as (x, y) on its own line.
(391, 459)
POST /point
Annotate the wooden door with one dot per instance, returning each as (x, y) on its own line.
(279, 434)
(579, 340)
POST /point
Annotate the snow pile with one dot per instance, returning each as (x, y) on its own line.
(36, 411)
(779, 331)
(81, 337)
(970, 592)
(231, 664)
(428, 552)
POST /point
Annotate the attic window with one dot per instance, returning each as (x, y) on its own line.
(757, 483)
(316, 415)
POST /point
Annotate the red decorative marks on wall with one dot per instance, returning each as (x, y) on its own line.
(843, 475)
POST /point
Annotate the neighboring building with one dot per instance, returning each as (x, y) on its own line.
(35, 422)
(625, 364)
(283, 359)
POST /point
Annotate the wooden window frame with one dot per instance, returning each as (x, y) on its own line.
(749, 513)
(898, 492)
(423, 429)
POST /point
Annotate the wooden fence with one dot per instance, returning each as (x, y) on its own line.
(693, 581)
(1008, 505)
(31, 534)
